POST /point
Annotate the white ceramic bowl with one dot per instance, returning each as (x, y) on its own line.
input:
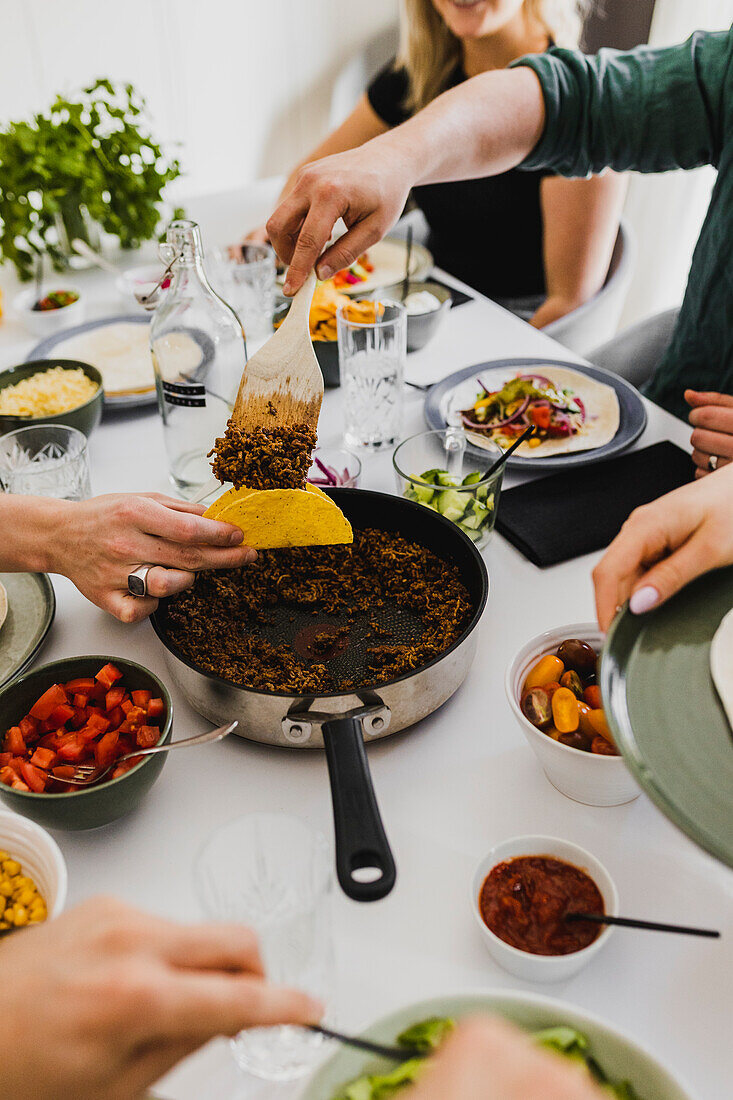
(583, 776)
(619, 1055)
(543, 968)
(48, 322)
(39, 855)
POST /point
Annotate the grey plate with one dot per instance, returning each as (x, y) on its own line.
(31, 608)
(631, 408)
(618, 1055)
(665, 712)
(132, 400)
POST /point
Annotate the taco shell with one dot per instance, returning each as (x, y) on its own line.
(271, 518)
(217, 506)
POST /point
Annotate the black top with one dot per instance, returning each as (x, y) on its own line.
(487, 232)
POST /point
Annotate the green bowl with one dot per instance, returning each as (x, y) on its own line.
(618, 1054)
(87, 808)
(84, 417)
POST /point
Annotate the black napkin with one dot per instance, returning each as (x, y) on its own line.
(553, 519)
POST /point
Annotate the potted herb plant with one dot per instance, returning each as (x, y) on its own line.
(87, 163)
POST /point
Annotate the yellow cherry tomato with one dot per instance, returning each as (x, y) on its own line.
(597, 720)
(565, 710)
(548, 669)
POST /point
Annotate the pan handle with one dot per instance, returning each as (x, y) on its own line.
(361, 842)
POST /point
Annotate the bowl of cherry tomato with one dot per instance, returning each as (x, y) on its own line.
(81, 710)
(552, 688)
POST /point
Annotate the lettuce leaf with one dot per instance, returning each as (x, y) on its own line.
(427, 1035)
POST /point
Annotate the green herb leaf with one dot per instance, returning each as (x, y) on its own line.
(94, 151)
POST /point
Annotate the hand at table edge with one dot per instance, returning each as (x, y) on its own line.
(120, 996)
(666, 544)
(489, 1059)
(98, 542)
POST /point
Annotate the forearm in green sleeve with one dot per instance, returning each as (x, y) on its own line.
(647, 110)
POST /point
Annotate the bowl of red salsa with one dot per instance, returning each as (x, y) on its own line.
(522, 895)
(81, 710)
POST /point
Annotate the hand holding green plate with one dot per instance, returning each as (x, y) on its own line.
(665, 713)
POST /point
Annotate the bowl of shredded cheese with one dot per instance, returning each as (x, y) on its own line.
(51, 391)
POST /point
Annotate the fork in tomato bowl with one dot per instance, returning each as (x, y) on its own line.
(86, 774)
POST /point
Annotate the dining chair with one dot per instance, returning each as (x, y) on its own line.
(635, 353)
(595, 322)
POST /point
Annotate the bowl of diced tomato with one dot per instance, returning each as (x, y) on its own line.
(81, 710)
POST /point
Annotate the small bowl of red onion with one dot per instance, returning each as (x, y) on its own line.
(334, 467)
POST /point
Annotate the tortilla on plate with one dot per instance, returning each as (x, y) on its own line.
(721, 664)
(603, 415)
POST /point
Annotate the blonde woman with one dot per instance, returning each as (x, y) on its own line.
(534, 241)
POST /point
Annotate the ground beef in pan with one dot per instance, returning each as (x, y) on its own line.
(209, 623)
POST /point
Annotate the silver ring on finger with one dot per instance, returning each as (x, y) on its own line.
(713, 463)
(137, 581)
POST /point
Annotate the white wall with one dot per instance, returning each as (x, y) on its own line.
(667, 211)
(244, 85)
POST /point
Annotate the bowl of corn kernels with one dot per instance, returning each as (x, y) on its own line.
(32, 874)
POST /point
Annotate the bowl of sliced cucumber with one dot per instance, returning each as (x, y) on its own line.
(436, 470)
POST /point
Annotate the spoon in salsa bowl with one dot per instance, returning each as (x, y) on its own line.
(649, 925)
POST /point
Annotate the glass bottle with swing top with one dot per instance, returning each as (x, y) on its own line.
(198, 353)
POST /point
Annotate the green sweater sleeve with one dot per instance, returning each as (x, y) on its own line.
(648, 110)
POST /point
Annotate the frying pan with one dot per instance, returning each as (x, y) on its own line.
(338, 721)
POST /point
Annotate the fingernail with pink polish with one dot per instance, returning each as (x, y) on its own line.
(644, 599)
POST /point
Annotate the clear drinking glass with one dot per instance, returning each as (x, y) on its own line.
(273, 873)
(198, 353)
(372, 364)
(436, 469)
(248, 284)
(45, 460)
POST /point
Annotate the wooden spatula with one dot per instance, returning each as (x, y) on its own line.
(284, 374)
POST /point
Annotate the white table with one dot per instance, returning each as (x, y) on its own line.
(448, 789)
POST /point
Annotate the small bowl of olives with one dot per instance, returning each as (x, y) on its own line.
(552, 688)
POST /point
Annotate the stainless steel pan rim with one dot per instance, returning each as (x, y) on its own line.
(181, 659)
(293, 721)
(339, 722)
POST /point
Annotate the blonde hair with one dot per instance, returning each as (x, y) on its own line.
(429, 51)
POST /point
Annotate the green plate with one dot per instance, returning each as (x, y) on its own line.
(31, 608)
(665, 713)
